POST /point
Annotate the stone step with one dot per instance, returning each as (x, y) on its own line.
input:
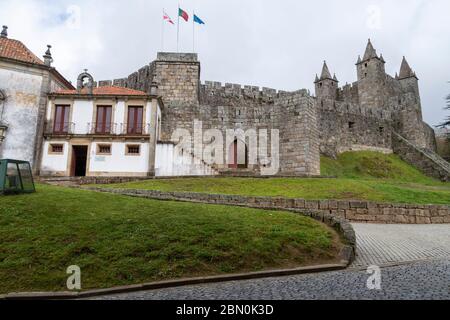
(424, 159)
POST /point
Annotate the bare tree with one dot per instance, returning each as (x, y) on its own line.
(447, 121)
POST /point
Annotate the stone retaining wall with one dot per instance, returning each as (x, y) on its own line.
(88, 180)
(342, 226)
(354, 211)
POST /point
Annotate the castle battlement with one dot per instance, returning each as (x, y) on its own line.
(361, 113)
(232, 90)
(345, 108)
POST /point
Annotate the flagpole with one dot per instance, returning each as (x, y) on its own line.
(178, 29)
(162, 31)
(193, 32)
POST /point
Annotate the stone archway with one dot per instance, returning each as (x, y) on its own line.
(85, 80)
(238, 155)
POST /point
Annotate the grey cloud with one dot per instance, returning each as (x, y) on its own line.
(279, 44)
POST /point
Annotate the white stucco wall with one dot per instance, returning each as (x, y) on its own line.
(55, 163)
(82, 115)
(22, 90)
(169, 163)
(119, 114)
(118, 163)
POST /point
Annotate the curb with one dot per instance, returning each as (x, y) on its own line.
(346, 257)
(182, 282)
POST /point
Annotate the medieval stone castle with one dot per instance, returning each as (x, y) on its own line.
(378, 112)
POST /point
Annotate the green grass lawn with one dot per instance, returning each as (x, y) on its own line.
(118, 240)
(361, 175)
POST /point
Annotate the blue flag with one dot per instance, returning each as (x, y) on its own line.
(198, 20)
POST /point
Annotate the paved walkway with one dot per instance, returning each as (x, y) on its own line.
(396, 247)
(421, 280)
(388, 244)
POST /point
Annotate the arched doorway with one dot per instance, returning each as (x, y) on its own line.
(238, 155)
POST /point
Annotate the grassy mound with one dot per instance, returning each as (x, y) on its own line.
(372, 165)
(361, 175)
(118, 240)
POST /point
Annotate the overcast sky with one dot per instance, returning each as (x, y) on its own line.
(277, 44)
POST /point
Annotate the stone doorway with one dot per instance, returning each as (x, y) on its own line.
(79, 161)
(238, 155)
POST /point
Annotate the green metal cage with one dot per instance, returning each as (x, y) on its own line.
(16, 177)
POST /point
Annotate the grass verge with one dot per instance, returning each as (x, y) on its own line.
(118, 240)
(368, 176)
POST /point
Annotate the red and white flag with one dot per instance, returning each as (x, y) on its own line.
(167, 18)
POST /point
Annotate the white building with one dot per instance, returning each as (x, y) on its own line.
(101, 131)
(65, 131)
(25, 81)
(109, 131)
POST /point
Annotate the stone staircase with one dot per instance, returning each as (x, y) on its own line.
(423, 159)
(438, 159)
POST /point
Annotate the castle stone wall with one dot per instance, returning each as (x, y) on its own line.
(358, 116)
(347, 126)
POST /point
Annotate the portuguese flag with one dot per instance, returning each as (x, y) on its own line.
(183, 14)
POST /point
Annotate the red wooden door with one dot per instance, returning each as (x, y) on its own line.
(135, 119)
(233, 158)
(61, 124)
(104, 114)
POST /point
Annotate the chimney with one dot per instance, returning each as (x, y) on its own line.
(48, 56)
(4, 33)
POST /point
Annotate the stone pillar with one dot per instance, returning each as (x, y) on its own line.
(3, 126)
(153, 136)
(40, 126)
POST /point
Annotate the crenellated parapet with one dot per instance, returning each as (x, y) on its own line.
(349, 92)
(230, 94)
(349, 108)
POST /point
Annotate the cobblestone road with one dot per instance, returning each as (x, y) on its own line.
(385, 244)
(377, 244)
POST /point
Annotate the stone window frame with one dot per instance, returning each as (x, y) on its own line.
(141, 103)
(51, 150)
(131, 154)
(105, 103)
(351, 125)
(60, 102)
(104, 145)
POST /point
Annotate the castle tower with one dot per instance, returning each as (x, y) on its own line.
(371, 78)
(178, 79)
(371, 65)
(410, 116)
(408, 78)
(326, 86)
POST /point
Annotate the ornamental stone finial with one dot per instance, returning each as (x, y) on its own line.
(4, 33)
(48, 56)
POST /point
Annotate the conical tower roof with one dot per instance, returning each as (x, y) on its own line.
(370, 52)
(359, 60)
(325, 72)
(405, 70)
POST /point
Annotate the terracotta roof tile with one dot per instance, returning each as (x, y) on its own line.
(105, 91)
(14, 49)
